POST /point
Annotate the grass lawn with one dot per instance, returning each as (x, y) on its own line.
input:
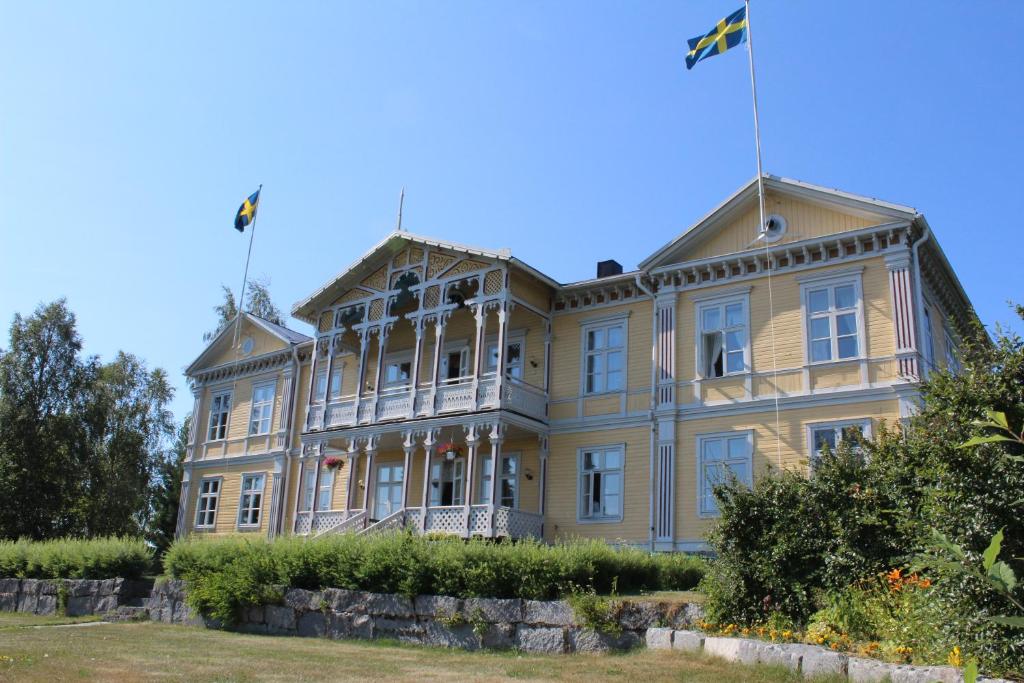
(9, 620)
(150, 651)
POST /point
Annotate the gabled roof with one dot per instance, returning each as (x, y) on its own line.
(288, 336)
(748, 192)
(364, 266)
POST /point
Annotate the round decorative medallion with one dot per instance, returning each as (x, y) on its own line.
(248, 344)
(774, 227)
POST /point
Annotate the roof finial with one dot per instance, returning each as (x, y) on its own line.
(401, 201)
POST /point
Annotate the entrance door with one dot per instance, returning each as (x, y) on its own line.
(388, 493)
(447, 482)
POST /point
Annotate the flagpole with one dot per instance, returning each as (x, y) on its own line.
(245, 276)
(762, 231)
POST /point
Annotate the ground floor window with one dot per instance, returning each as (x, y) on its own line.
(206, 507)
(508, 481)
(600, 485)
(830, 435)
(388, 494)
(722, 457)
(447, 479)
(250, 505)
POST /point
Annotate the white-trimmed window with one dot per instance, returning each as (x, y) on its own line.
(320, 393)
(834, 319)
(720, 458)
(508, 481)
(397, 370)
(514, 352)
(335, 383)
(455, 363)
(206, 504)
(604, 357)
(326, 493)
(250, 504)
(724, 342)
(220, 409)
(262, 408)
(828, 435)
(308, 487)
(929, 340)
(600, 483)
(952, 356)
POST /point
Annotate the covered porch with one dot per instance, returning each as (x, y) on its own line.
(433, 476)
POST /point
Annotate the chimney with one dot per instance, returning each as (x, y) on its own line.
(608, 268)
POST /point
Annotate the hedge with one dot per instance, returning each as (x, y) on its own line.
(71, 558)
(227, 574)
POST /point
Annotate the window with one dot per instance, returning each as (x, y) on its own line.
(952, 357)
(513, 358)
(251, 503)
(830, 435)
(206, 506)
(323, 501)
(262, 409)
(446, 482)
(454, 363)
(604, 356)
(601, 484)
(723, 338)
(833, 321)
(929, 342)
(722, 457)
(321, 386)
(220, 408)
(508, 481)
(336, 383)
(397, 371)
(308, 487)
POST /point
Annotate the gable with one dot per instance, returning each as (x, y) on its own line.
(809, 211)
(222, 351)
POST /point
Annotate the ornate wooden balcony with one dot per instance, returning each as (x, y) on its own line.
(485, 521)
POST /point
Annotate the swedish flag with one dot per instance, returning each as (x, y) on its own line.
(247, 211)
(728, 32)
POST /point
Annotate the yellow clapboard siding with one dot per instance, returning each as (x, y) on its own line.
(226, 521)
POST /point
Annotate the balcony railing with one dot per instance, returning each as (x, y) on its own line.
(405, 402)
(483, 520)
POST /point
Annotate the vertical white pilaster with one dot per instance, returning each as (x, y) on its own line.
(409, 448)
(904, 323)
(428, 451)
(665, 478)
(472, 441)
(181, 525)
(665, 351)
(368, 480)
(415, 377)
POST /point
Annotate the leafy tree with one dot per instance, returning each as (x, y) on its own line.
(166, 488)
(43, 387)
(258, 302)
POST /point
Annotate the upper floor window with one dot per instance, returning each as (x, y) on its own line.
(828, 436)
(604, 358)
(513, 358)
(929, 340)
(455, 363)
(722, 457)
(397, 371)
(250, 504)
(320, 390)
(220, 409)
(206, 505)
(262, 409)
(600, 485)
(723, 338)
(335, 383)
(952, 356)
(833, 320)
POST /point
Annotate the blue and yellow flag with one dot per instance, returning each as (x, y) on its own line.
(729, 32)
(247, 211)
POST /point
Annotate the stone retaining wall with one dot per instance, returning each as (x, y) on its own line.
(469, 624)
(79, 596)
(809, 660)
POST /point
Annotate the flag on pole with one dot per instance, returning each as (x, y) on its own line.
(727, 33)
(247, 211)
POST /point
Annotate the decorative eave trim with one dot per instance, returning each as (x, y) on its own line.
(244, 367)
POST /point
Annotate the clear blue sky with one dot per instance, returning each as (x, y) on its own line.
(568, 131)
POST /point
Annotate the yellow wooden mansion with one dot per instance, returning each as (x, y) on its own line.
(456, 389)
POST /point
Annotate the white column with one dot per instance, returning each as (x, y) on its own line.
(415, 379)
(472, 441)
(371, 450)
(193, 428)
(665, 354)
(428, 450)
(312, 380)
(316, 484)
(181, 525)
(353, 463)
(276, 497)
(409, 448)
(500, 379)
(298, 489)
(664, 489)
(543, 452)
(904, 322)
(382, 342)
(496, 437)
(479, 314)
(283, 427)
(439, 323)
(364, 342)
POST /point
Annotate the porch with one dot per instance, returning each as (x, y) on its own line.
(476, 476)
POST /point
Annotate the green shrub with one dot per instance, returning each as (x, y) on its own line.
(231, 573)
(68, 558)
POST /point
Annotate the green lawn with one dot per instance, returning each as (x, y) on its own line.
(9, 620)
(150, 651)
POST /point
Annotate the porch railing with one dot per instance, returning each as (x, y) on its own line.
(483, 520)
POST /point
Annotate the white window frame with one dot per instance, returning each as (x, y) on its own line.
(325, 489)
(837, 425)
(334, 385)
(246, 507)
(460, 347)
(265, 406)
(437, 480)
(830, 282)
(491, 348)
(605, 323)
(397, 359)
(581, 474)
(320, 386)
(222, 427)
(703, 494)
(201, 496)
(721, 302)
(308, 491)
(485, 479)
(929, 338)
(952, 354)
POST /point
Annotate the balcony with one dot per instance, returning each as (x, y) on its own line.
(402, 403)
(483, 521)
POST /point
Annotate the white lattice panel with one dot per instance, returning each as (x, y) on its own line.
(524, 524)
(393, 522)
(302, 523)
(446, 519)
(323, 521)
(413, 517)
(479, 520)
